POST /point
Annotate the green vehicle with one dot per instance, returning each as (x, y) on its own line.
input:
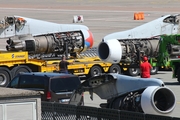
(168, 55)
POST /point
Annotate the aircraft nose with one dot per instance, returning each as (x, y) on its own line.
(89, 40)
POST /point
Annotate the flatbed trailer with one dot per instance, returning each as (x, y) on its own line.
(86, 64)
(12, 63)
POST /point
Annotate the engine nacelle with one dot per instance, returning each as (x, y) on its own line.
(152, 100)
(58, 43)
(157, 100)
(40, 37)
(127, 50)
(110, 51)
(139, 39)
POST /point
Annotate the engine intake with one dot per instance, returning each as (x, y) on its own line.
(157, 100)
(106, 53)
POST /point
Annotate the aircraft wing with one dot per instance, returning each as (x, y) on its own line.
(147, 95)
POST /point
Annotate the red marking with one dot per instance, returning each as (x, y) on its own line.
(79, 18)
(90, 39)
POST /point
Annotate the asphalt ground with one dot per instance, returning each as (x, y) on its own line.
(102, 17)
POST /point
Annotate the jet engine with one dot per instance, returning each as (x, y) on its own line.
(43, 37)
(122, 92)
(72, 41)
(127, 50)
(151, 100)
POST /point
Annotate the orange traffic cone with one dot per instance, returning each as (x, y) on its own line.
(136, 17)
(141, 16)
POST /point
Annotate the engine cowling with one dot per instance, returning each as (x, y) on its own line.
(110, 51)
(157, 100)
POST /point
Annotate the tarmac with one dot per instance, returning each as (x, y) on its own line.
(101, 16)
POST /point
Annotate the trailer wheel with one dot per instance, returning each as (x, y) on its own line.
(115, 69)
(5, 76)
(22, 68)
(95, 70)
(133, 71)
(178, 75)
(154, 70)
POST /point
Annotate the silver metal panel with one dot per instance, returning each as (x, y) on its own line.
(1, 112)
(18, 111)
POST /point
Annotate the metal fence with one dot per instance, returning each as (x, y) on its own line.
(56, 111)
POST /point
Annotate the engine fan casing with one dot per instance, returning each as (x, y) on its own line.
(106, 53)
(157, 100)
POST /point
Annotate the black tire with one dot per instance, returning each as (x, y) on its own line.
(178, 75)
(22, 68)
(115, 69)
(133, 71)
(5, 76)
(95, 70)
(154, 70)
